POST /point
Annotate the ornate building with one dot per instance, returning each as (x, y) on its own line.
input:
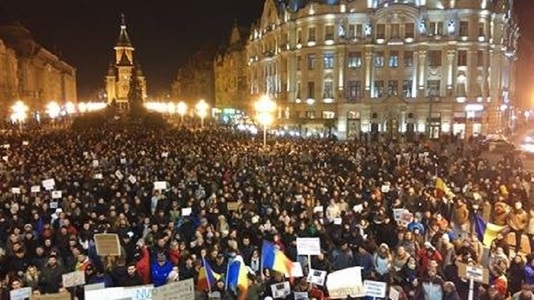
(386, 66)
(119, 73)
(230, 78)
(31, 73)
(196, 79)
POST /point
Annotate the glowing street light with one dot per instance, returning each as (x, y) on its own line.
(202, 111)
(19, 114)
(265, 108)
(70, 108)
(182, 110)
(53, 109)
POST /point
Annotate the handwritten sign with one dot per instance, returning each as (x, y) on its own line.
(36, 189)
(73, 279)
(176, 290)
(375, 289)
(308, 246)
(21, 294)
(345, 282)
(56, 296)
(57, 194)
(15, 190)
(49, 184)
(107, 244)
(160, 185)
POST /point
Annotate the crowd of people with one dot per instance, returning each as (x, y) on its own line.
(292, 188)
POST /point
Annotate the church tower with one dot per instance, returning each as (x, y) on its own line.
(120, 72)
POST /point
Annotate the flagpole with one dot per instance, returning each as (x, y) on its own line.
(261, 262)
(226, 275)
(207, 276)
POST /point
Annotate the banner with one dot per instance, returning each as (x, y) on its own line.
(176, 290)
(308, 246)
(375, 289)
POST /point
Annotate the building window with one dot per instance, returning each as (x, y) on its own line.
(328, 114)
(354, 89)
(393, 88)
(379, 60)
(393, 59)
(328, 60)
(351, 31)
(462, 58)
(409, 30)
(359, 30)
(379, 88)
(355, 60)
(310, 114)
(329, 32)
(299, 62)
(381, 31)
(311, 61)
(353, 115)
(408, 59)
(311, 34)
(328, 90)
(464, 28)
(434, 58)
(433, 88)
(480, 58)
(311, 90)
(407, 88)
(436, 28)
(299, 36)
(298, 91)
(395, 31)
(374, 116)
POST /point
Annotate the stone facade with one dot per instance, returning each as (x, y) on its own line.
(121, 71)
(31, 73)
(386, 66)
(230, 76)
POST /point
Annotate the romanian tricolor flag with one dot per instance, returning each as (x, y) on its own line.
(238, 276)
(442, 190)
(206, 277)
(274, 259)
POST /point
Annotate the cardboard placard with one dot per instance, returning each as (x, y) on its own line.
(132, 179)
(233, 206)
(15, 190)
(301, 295)
(308, 246)
(73, 279)
(107, 244)
(187, 211)
(280, 290)
(183, 289)
(95, 163)
(477, 273)
(49, 184)
(119, 175)
(56, 296)
(57, 194)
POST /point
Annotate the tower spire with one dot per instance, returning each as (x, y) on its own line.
(123, 21)
(124, 39)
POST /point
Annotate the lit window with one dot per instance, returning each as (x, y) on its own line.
(355, 60)
(328, 60)
(379, 60)
(393, 59)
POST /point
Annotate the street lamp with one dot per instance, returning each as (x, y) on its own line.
(202, 111)
(53, 109)
(182, 110)
(19, 113)
(171, 109)
(265, 108)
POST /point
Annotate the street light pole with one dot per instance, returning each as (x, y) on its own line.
(265, 136)
(265, 107)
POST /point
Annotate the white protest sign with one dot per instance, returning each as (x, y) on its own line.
(160, 185)
(57, 194)
(36, 189)
(338, 221)
(475, 273)
(99, 176)
(143, 292)
(301, 295)
(375, 289)
(397, 214)
(317, 209)
(176, 290)
(317, 277)
(54, 205)
(7, 146)
(358, 208)
(73, 279)
(186, 211)
(280, 290)
(132, 179)
(20, 294)
(49, 184)
(93, 287)
(394, 294)
(25, 143)
(95, 163)
(165, 154)
(346, 282)
(384, 188)
(308, 246)
(119, 175)
(123, 161)
(15, 190)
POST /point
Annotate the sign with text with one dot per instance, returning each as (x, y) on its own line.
(477, 273)
(281, 290)
(49, 184)
(375, 289)
(317, 277)
(73, 279)
(301, 295)
(21, 294)
(176, 290)
(160, 185)
(57, 194)
(107, 244)
(346, 282)
(36, 189)
(119, 175)
(308, 246)
(15, 190)
(56, 296)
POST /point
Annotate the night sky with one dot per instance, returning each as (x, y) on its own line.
(166, 32)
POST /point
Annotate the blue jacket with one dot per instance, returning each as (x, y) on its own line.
(160, 273)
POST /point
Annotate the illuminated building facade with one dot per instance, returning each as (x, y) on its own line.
(386, 67)
(120, 73)
(31, 73)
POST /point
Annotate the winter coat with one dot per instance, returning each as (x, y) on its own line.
(160, 272)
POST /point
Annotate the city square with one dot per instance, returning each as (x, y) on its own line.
(332, 149)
